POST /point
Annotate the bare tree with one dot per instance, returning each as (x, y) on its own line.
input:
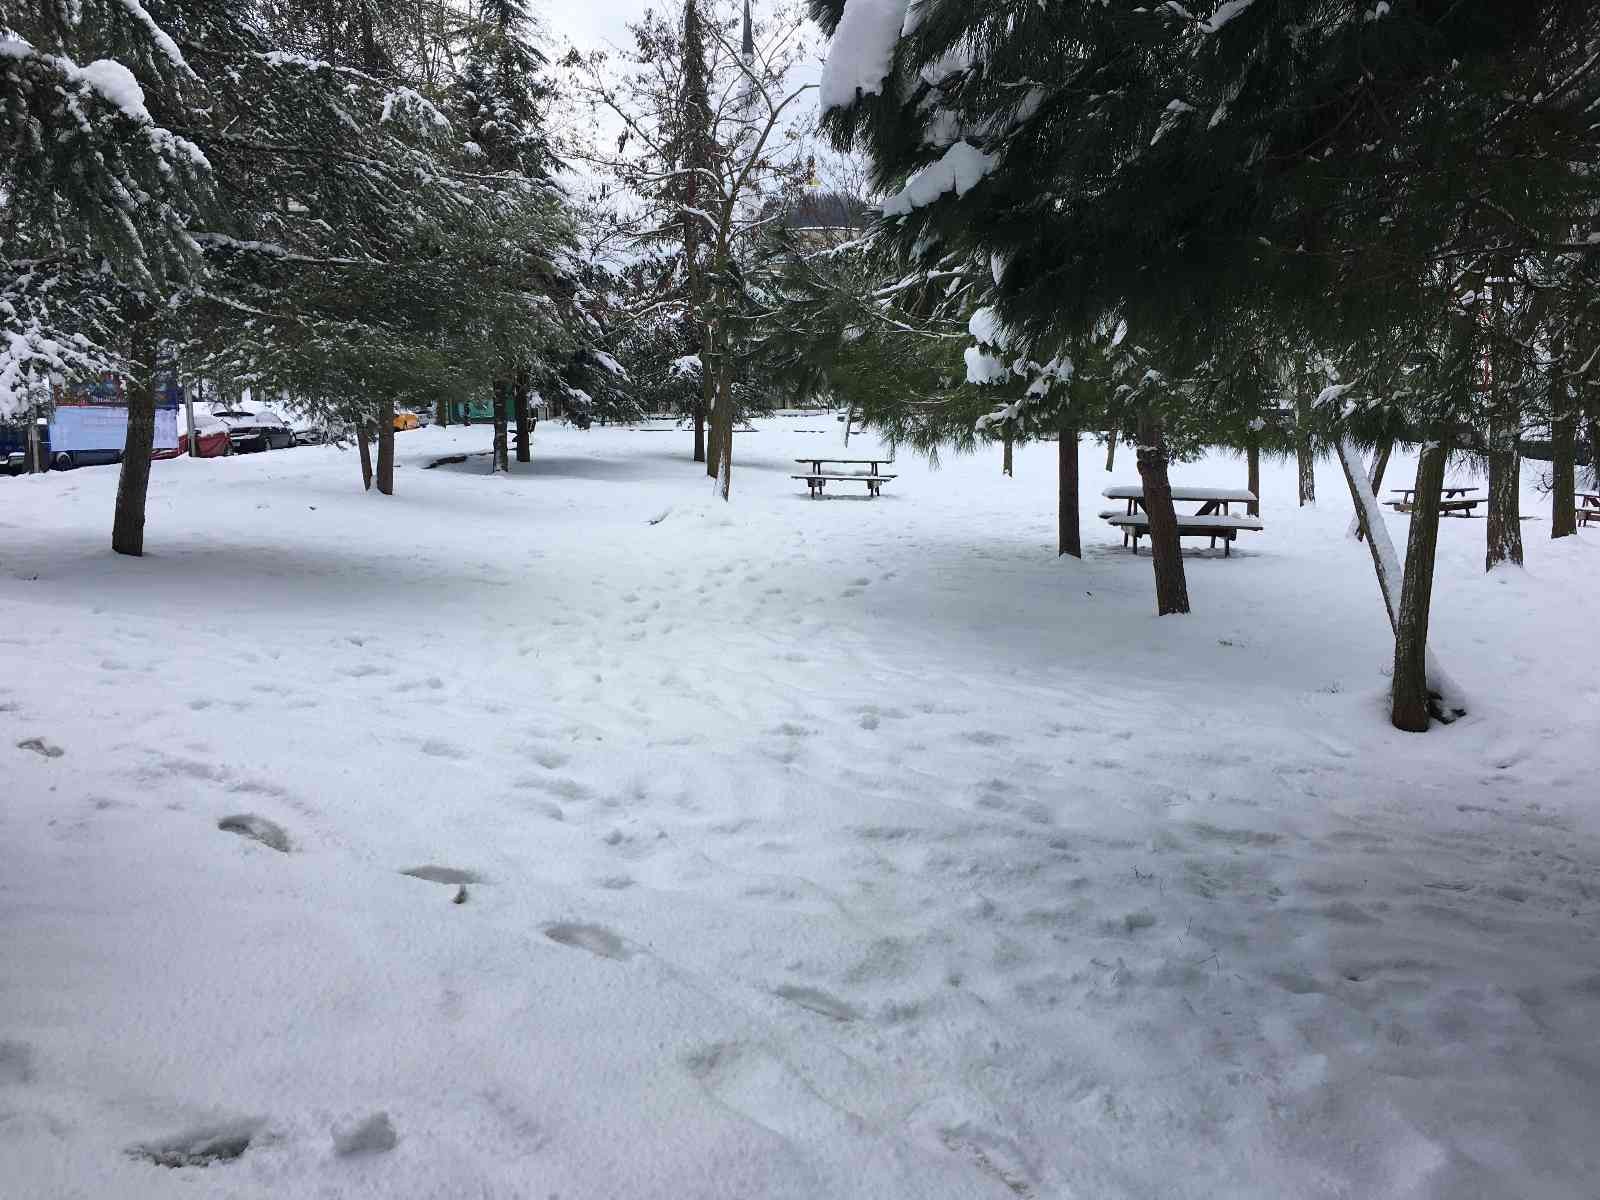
(703, 171)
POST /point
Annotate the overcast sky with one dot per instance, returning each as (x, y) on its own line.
(590, 24)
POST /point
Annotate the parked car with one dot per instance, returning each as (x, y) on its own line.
(405, 419)
(260, 430)
(13, 447)
(306, 434)
(211, 436)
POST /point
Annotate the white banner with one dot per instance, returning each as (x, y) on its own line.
(105, 427)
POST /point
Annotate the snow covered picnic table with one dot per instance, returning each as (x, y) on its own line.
(1588, 507)
(821, 472)
(1212, 519)
(1455, 500)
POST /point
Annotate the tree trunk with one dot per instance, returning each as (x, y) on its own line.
(1069, 539)
(386, 447)
(1594, 451)
(1410, 695)
(722, 426)
(363, 439)
(1380, 464)
(1563, 459)
(1305, 461)
(502, 461)
(1111, 451)
(524, 418)
(1252, 456)
(1505, 477)
(708, 391)
(1391, 582)
(127, 526)
(699, 433)
(1172, 589)
(1005, 454)
(441, 412)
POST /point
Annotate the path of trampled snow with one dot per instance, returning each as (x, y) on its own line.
(814, 850)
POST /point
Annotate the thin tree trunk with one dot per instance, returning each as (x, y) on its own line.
(1410, 696)
(386, 447)
(133, 484)
(1594, 451)
(1172, 589)
(502, 461)
(1111, 451)
(708, 385)
(1391, 576)
(1069, 538)
(1005, 454)
(722, 427)
(1504, 541)
(363, 438)
(1252, 456)
(441, 412)
(1305, 461)
(1380, 464)
(525, 418)
(1563, 456)
(699, 433)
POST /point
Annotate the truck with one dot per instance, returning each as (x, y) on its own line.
(89, 422)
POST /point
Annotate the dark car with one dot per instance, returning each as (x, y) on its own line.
(262, 430)
(13, 448)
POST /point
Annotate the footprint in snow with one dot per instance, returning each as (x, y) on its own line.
(257, 829)
(817, 1001)
(450, 875)
(596, 939)
(201, 1146)
(41, 747)
(435, 748)
(16, 1063)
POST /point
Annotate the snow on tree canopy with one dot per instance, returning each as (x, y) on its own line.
(158, 35)
(862, 50)
(985, 368)
(1225, 12)
(116, 85)
(985, 326)
(959, 171)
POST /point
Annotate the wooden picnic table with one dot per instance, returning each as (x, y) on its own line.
(1455, 500)
(820, 474)
(1211, 520)
(1588, 507)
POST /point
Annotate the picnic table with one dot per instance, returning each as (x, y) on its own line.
(1212, 519)
(823, 472)
(1588, 507)
(1455, 501)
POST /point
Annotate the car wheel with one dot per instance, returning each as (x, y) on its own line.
(62, 461)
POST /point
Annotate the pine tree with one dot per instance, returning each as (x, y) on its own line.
(1317, 170)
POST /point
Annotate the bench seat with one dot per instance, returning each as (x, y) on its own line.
(817, 480)
(1217, 523)
(826, 475)
(1213, 526)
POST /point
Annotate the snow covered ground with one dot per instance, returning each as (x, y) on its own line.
(814, 849)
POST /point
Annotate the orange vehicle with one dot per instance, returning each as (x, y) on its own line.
(405, 419)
